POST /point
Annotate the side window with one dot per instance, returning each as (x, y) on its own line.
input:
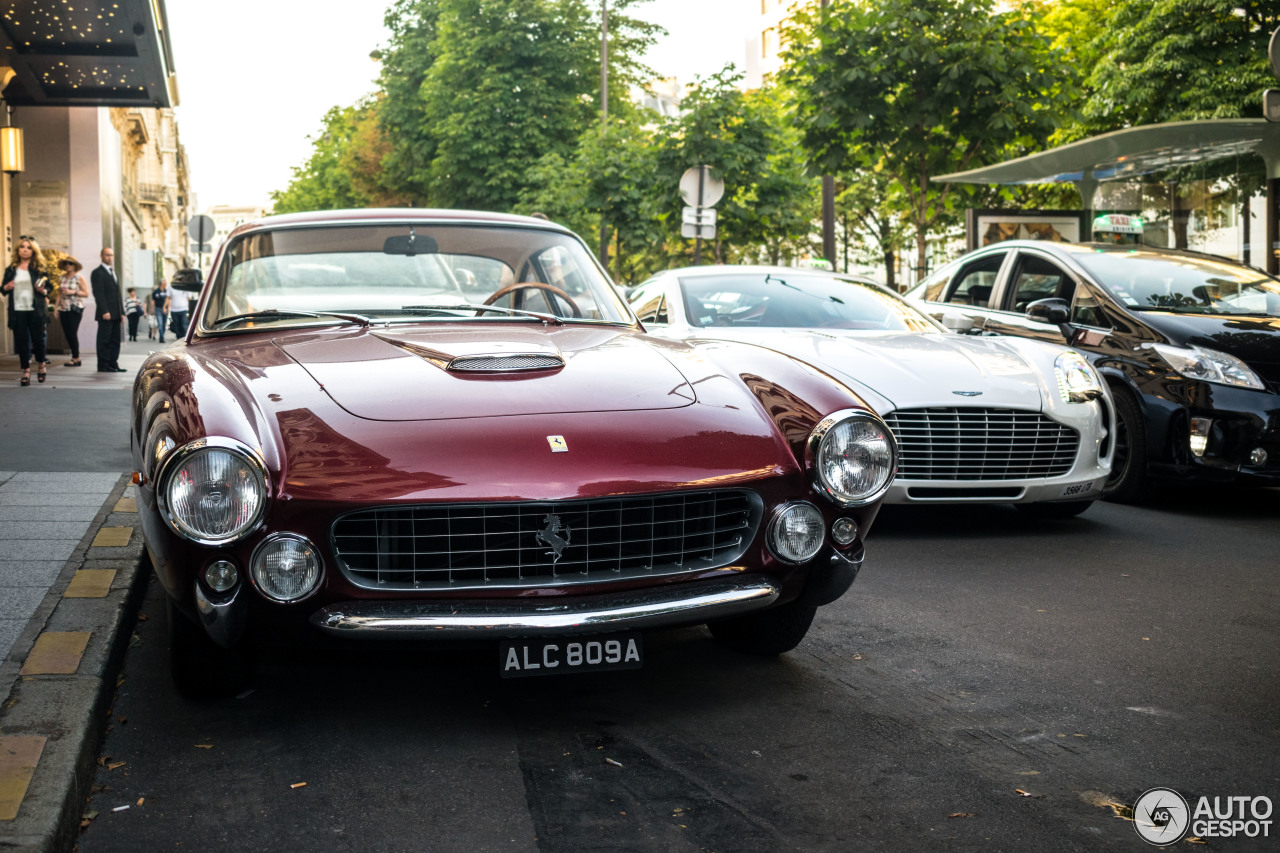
(975, 281)
(1036, 278)
(1086, 310)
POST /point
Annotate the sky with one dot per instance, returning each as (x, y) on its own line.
(255, 77)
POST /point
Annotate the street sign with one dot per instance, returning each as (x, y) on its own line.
(705, 232)
(700, 188)
(202, 248)
(1273, 52)
(201, 228)
(1271, 104)
(698, 216)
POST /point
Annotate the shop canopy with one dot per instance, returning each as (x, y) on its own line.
(88, 53)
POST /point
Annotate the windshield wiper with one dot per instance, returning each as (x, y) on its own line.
(276, 313)
(537, 315)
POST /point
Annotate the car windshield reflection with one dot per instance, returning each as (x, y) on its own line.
(1183, 284)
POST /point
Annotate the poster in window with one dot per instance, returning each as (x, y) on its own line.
(45, 214)
(985, 227)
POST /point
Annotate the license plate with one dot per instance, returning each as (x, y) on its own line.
(558, 656)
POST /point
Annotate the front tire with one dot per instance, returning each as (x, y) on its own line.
(1128, 482)
(768, 633)
(1057, 509)
(201, 668)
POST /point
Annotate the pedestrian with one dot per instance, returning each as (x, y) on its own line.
(28, 290)
(132, 311)
(178, 313)
(110, 311)
(72, 290)
(151, 322)
(160, 306)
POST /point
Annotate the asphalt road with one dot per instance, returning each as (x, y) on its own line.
(990, 683)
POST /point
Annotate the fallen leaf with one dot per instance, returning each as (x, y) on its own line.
(1123, 575)
(611, 761)
(114, 765)
(122, 720)
(1191, 839)
(1079, 735)
(857, 657)
(963, 814)
(142, 617)
(103, 759)
(1105, 801)
(298, 785)
(203, 746)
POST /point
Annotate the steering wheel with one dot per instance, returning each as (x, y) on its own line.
(537, 285)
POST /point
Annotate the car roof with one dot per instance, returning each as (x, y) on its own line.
(1105, 248)
(725, 269)
(391, 215)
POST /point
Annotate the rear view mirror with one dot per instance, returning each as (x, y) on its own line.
(188, 280)
(410, 244)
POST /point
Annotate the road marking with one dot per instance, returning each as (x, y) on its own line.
(112, 537)
(19, 755)
(56, 653)
(90, 583)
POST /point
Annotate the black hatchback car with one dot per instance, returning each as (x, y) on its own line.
(1189, 343)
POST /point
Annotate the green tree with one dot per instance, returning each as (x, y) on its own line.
(405, 62)
(924, 87)
(325, 182)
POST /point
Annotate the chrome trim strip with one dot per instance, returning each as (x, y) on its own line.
(814, 443)
(652, 608)
(223, 620)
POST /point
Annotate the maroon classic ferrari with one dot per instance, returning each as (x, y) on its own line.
(443, 425)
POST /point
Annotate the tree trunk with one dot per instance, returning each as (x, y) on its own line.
(921, 254)
(888, 271)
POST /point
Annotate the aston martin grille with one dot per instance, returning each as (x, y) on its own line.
(503, 363)
(557, 542)
(980, 444)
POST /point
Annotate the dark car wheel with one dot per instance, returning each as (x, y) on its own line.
(770, 632)
(200, 667)
(1057, 509)
(1128, 482)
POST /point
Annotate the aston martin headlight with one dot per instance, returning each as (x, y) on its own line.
(1209, 365)
(213, 491)
(853, 456)
(795, 534)
(1076, 380)
(286, 567)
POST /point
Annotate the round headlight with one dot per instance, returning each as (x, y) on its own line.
(213, 493)
(286, 567)
(853, 457)
(795, 534)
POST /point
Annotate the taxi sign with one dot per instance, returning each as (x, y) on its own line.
(1118, 223)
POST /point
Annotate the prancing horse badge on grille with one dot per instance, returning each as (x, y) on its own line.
(558, 444)
(550, 536)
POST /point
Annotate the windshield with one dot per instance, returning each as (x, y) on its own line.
(796, 299)
(420, 272)
(1183, 284)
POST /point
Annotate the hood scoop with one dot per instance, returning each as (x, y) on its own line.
(488, 357)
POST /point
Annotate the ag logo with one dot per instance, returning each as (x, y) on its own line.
(1161, 816)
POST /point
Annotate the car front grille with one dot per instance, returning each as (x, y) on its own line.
(450, 546)
(980, 444)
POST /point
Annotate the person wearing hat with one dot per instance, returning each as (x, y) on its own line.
(72, 290)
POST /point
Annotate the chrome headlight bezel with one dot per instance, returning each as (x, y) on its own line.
(814, 451)
(174, 461)
(1078, 382)
(1209, 365)
(780, 517)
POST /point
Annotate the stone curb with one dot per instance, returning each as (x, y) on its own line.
(71, 710)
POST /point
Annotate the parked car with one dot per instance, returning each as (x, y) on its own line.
(1188, 343)
(441, 425)
(976, 419)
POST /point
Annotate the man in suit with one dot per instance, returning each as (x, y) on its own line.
(110, 310)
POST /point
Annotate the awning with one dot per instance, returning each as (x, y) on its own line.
(1135, 151)
(87, 53)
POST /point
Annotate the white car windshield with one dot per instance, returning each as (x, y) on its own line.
(419, 272)
(797, 299)
(1183, 284)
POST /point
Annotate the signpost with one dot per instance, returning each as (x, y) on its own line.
(201, 228)
(700, 189)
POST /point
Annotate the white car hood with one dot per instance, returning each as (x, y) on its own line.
(907, 370)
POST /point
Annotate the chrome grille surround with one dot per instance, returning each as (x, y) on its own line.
(962, 443)
(544, 543)
(505, 363)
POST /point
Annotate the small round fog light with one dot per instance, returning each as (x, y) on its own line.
(1257, 456)
(221, 576)
(844, 531)
(286, 567)
(795, 534)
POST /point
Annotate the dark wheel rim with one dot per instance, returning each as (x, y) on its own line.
(1120, 460)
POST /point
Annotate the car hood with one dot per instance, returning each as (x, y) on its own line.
(394, 375)
(1255, 340)
(911, 370)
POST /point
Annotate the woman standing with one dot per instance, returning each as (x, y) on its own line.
(72, 290)
(28, 290)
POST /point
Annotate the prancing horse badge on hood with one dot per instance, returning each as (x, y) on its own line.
(557, 443)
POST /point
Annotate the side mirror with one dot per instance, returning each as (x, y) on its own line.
(1055, 311)
(189, 280)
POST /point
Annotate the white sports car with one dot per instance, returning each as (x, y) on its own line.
(977, 419)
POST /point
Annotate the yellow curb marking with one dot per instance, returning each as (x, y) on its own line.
(112, 537)
(90, 583)
(19, 755)
(56, 653)
(126, 505)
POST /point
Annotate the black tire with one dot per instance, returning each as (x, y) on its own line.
(1057, 509)
(1128, 482)
(768, 633)
(201, 668)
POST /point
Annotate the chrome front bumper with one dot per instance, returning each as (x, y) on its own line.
(678, 604)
